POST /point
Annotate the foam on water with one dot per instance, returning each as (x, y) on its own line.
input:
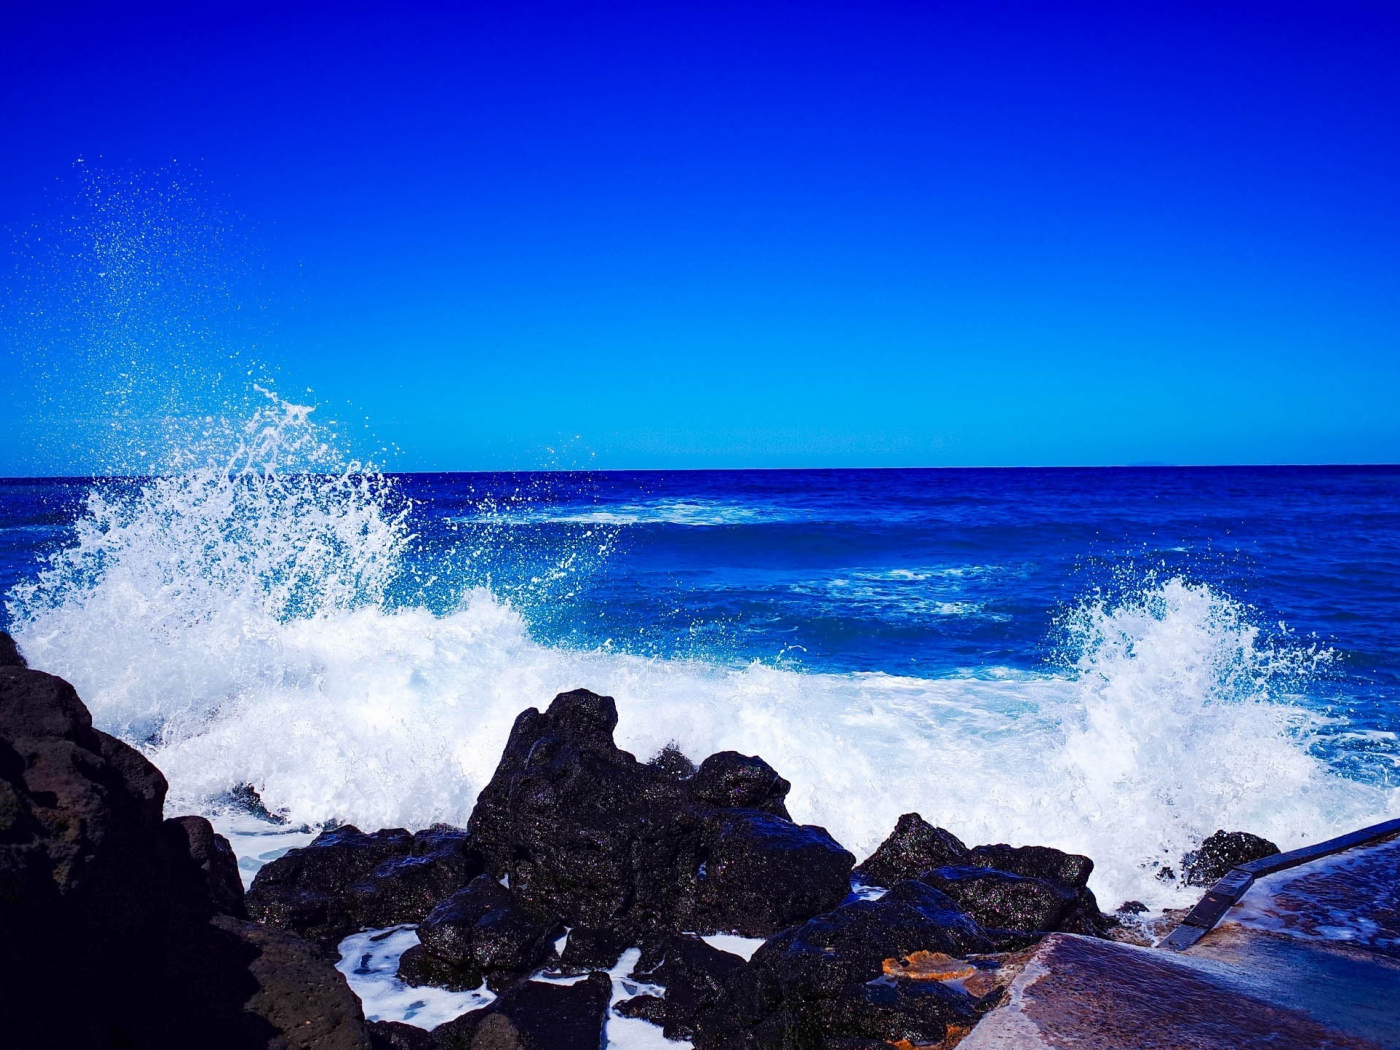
(370, 962)
(694, 512)
(231, 619)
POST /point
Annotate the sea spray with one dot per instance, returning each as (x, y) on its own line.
(172, 583)
(236, 618)
(233, 620)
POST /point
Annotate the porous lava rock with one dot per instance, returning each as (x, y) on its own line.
(298, 994)
(592, 949)
(10, 655)
(1052, 865)
(762, 872)
(694, 975)
(346, 880)
(730, 780)
(480, 930)
(101, 896)
(1034, 862)
(585, 832)
(814, 981)
(914, 847)
(406, 887)
(217, 863)
(1001, 899)
(1220, 852)
(533, 1015)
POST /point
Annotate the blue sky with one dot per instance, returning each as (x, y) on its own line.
(617, 235)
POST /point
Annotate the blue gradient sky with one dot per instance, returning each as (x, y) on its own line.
(764, 234)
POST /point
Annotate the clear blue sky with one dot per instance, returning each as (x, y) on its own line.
(675, 235)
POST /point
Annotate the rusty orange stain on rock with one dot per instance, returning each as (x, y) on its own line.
(954, 1035)
(928, 966)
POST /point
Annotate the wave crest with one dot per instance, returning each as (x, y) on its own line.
(232, 618)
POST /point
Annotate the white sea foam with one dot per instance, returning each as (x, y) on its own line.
(230, 620)
(694, 512)
(370, 962)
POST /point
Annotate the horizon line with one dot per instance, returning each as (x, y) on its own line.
(762, 470)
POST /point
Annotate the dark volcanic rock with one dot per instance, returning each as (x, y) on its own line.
(98, 894)
(9, 652)
(1221, 852)
(346, 880)
(590, 949)
(1001, 899)
(913, 848)
(733, 781)
(670, 761)
(218, 865)
(650, 1008)
(763, 873)
(1034, 862)
(1052, 865)
(694, 975)
(395, 1035)
(298, 994)
(406, 888)
(570, 817)
(486, 928)
(917, 1012)
(811, 980)
(418, 967)
(533, 1015)
(586, 832)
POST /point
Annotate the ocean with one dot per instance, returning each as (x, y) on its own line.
(1112, 661)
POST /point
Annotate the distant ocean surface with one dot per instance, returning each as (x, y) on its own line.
(1114, 661)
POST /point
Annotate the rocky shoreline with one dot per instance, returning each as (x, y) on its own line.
(125, 929)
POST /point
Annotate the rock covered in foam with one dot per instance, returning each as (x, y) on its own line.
(1221, 852)
(99, 893)
(911, 849)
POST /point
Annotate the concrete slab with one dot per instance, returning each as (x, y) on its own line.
(1307, 957)
(1349, 899)
(1078, 992)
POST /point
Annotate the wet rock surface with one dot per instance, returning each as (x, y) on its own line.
(1220, 852)
(1001, 899)
(826, 977)
(533, 1015)
(694, 975)
(585, 832)
(481, 930)
(346, 880)
(762, 872)
(914, 847)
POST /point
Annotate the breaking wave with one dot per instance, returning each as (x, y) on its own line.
(235, 619)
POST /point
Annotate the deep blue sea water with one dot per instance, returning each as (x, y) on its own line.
(1111, 642)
